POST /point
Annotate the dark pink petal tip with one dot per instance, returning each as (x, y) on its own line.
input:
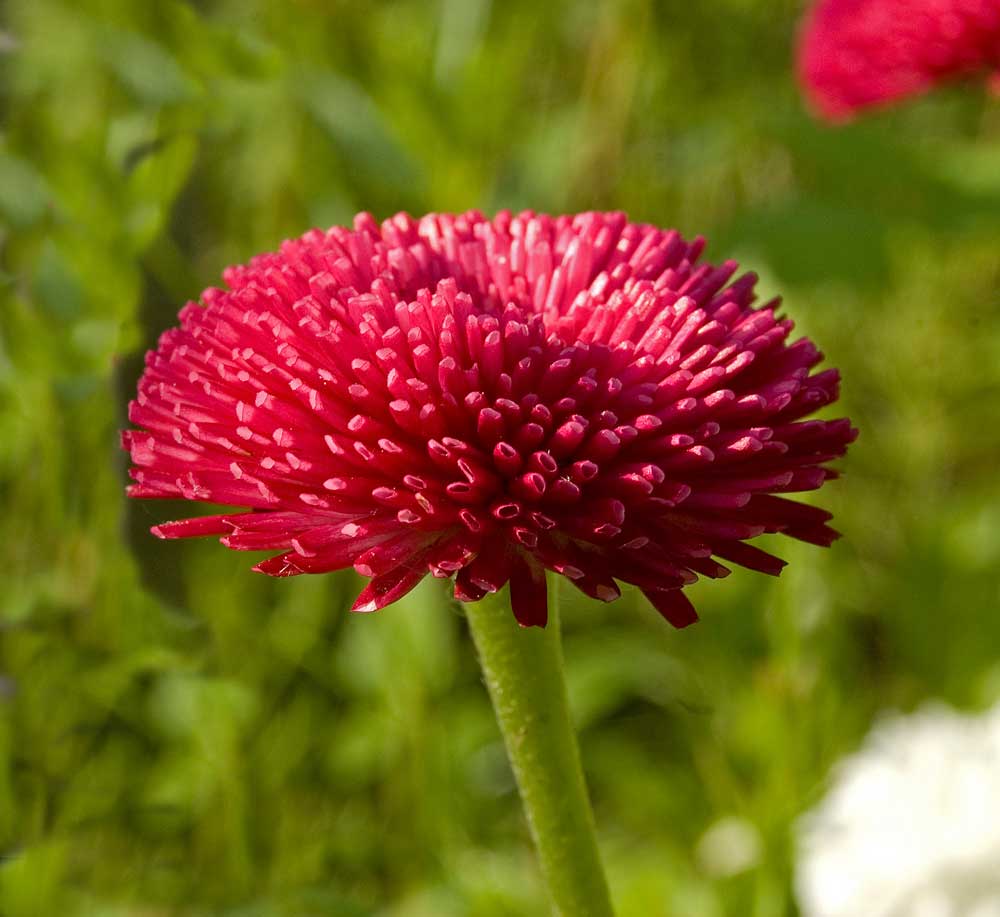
(673, 605)
(528, 595)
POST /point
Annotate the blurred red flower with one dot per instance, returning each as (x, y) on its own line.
(485, 399)
(854, 54)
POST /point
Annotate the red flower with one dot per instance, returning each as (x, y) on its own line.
(854, 54)
(486, 399)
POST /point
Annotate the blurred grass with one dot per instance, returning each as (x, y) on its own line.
(181, 737)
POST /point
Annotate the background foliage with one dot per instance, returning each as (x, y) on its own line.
(179, 736)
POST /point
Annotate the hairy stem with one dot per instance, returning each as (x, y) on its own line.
(523, 668)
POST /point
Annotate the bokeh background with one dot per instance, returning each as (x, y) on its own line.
(180, 736)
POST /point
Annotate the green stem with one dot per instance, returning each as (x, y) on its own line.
(523, 668)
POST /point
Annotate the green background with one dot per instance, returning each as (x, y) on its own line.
(180, 736)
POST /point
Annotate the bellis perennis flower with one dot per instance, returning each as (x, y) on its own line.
(485, 399)
(855, 54)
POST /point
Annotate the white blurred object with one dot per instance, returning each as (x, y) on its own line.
(911, 824)
(730, 846)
